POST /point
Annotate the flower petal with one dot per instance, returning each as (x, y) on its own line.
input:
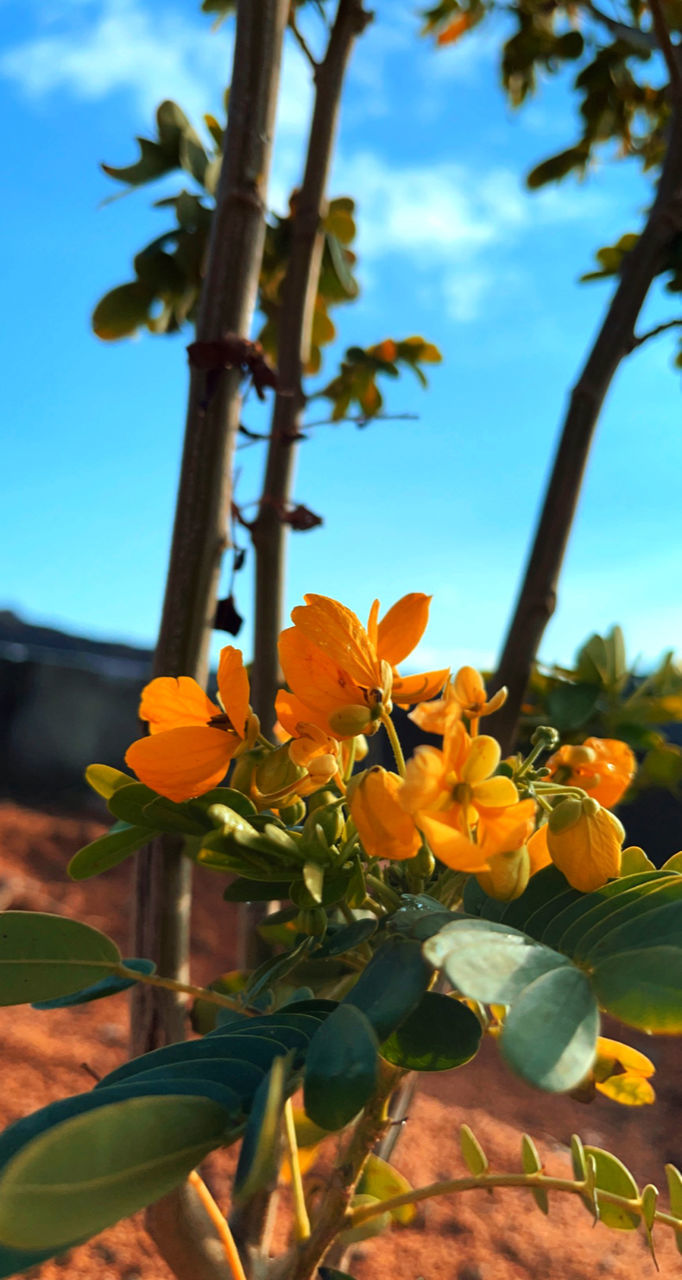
(182, 763)
(313, 676)
(402, 628)
(482, 760)
(384, 827)
(537, 849)
(169, 702)
(233, 687)
(500, 830)
(451, 847)
(340, 634)
(495, 793)
(410, 689)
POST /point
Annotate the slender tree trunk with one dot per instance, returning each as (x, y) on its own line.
(298, 301)
(537, 596)
(162, 888)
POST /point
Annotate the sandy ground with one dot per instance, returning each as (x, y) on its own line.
(477, 1236)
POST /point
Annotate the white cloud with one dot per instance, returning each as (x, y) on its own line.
(93, 48)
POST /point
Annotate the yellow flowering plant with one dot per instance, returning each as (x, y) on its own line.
(451, 895)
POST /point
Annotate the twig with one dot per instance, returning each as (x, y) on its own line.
(639, 339)
(668, 49)
(361, 420)
(301, 40)
(633, 35)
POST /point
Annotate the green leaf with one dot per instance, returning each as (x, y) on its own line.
(531, 1163)
(332, 1273)
(569, 706)
(259, 1156)
(139, 804)
(259, 1051)
(384, 1001)
(43, 956)
(613, 1176)
(347, 937)
(595, 908)
(642, 988)
(91, 1170)
(105, 780)
(153, 162)
(643, 924)
(122, 311)
(490, 962)
(244, 890)
(438, 1035)
(107, 851)
(341, 1068)
(106, 987)
(475, 1158)
(550, 1033)
(381, 1181)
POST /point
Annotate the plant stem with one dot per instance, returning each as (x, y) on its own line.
(394, 740)
(488, 1182)
(181, 988)
(537, 596)
(300, 1212)
(299, 291)
(220, 1224)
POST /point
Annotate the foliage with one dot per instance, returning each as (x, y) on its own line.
(369, 930)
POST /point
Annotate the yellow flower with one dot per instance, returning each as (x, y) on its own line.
(341, 676)
(192, 739)
(585, 842)
(604, 767)
(466, 814)
(385, 829)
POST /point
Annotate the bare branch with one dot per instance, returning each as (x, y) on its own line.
(633, 35)
(639, 339)
(668, 49)
(301, 40)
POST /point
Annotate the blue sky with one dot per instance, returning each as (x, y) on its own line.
(451, 247)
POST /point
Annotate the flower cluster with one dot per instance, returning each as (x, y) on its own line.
(458, 804)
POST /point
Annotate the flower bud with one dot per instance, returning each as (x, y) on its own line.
(329, 820)
(507, 876)
(292, 814)
(384, 827)
(584, 842)
(276, 775)
(241, 777)
(312, 921)
(348, 722)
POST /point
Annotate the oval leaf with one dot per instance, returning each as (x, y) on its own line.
(441, 1033)
(341, 1068)
(550, 1033)
(43, 956)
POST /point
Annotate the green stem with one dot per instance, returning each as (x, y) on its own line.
(182, 988)
(394, 741)
(488, 1181)
(386, 896)
(301, 1218)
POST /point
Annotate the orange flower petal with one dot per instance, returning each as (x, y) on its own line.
(482, 759)
(537, 849)
(338, 632)
(402, 628)
(233, 686)
(169, 702)
(495, 793)
(500, 830)
(410, 689)
(291, 712)
(182, 763)
(313, 677)
(469, 687)
(451, 847)
(372, 623)
(384, 827)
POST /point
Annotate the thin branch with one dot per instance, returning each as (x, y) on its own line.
(301, 40)
(633, 35)
(361, 421)
(668, 49)
(537, 596)
(639, 339)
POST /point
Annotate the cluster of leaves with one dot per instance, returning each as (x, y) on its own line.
(551, 959)
(603, 696)
(616, 104)
(169, 271)
(356, 383)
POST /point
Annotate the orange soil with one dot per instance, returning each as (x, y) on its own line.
(477, 1236)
